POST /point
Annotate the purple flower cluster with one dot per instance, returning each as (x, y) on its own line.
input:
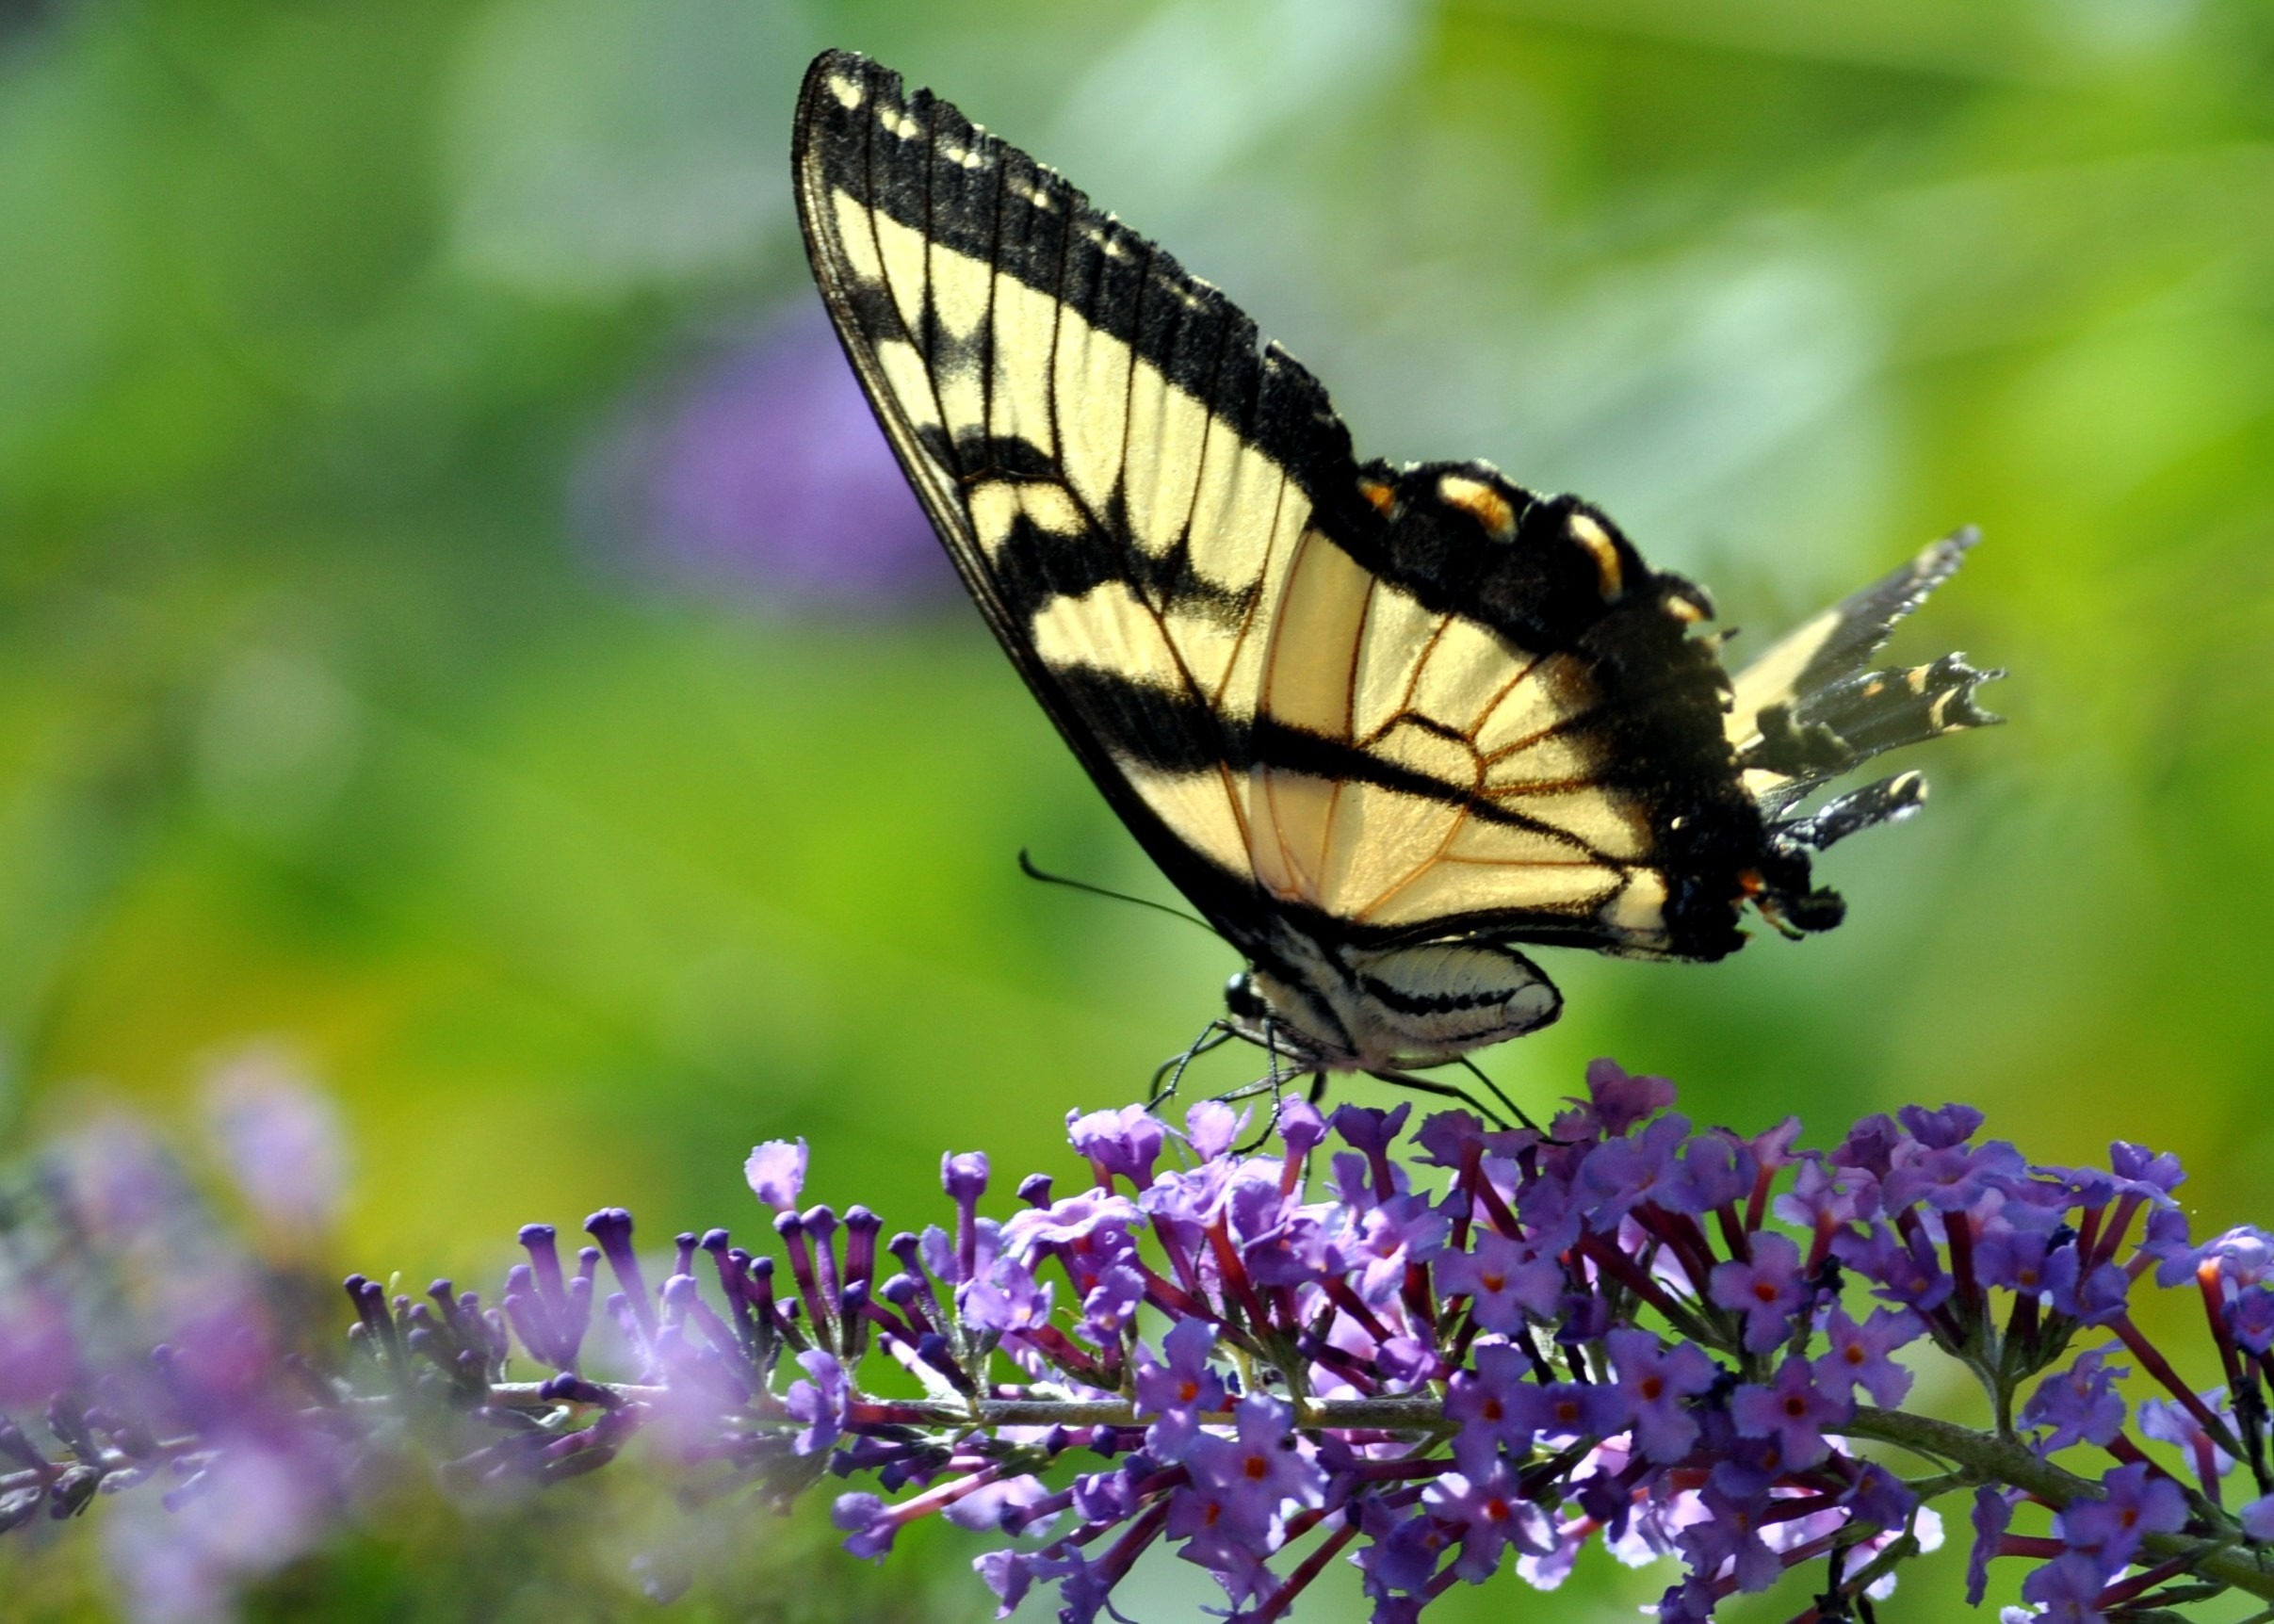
(1429, 1357)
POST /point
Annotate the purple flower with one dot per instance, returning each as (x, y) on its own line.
(1180, 1388)
(1870, 1145)
(1858, 1353)
(1492, 1515)
(2134, 1503)
(1616, 1100)
(776, 1173)
(2257, 1518)
(1402, 1552)
(1622, 1174)
(1446, 1138)
(2097, 1299)
(1952, 1125)
(1303, 1248)
(1493, 1404)
(1825, 1196)
(2080, 1404)
(1108, 1496)
(1993, 1514)
(1301, 1129)
(1370, 1131)
(2251, 1318)
(868, 1523)
(2244, 1256)
(2065, 1589)
(1259, 1470)
(1118, 1144)
(2146, 1171)
(1110, 1305)
(2165, 1240)
(1880, 1498)
(1727, 1536)
(2168, 1420)
(1790, 1410)
(1901, 1270)
(1088, 1232)
(1403, 1229)
(1211, 1128)
(822, 1403)
(1767, 1290)
(963, 1175)
(1948, 1178)
(1579, 1409)
(2016, 1260)
(1717, 1170)
(1774, 1149)
(1009, 1574)
(1006, 1300)
(1503, 1280)
(999, 1505)
(1656, 1379)
(1336, 1293)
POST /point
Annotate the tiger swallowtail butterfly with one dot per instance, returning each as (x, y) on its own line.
(1380, 725)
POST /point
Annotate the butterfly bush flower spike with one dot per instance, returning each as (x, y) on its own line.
(1443, 1352)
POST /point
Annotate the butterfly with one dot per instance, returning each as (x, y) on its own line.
(1379, 724)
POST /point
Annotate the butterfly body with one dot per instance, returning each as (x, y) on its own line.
(1377, 723)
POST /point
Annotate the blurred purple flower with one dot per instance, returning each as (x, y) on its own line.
(281, 1139)
(37, 1353)
(762, 468)
(252, 1510)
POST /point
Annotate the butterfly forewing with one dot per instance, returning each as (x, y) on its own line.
(1120, 470)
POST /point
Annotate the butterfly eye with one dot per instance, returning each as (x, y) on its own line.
(1241, 998)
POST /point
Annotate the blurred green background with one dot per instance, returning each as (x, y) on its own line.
(452, 632)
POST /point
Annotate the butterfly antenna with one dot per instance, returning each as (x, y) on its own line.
(1026, 865)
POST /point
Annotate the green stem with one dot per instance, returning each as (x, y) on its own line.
(1990, 1458)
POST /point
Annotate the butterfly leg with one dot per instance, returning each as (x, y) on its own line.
(1318, 1088)
(1272, 1079)
(1213, 1036)
(1446, 1091)
(1514, 1110)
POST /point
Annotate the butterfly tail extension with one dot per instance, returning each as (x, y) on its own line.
(1811, 710)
